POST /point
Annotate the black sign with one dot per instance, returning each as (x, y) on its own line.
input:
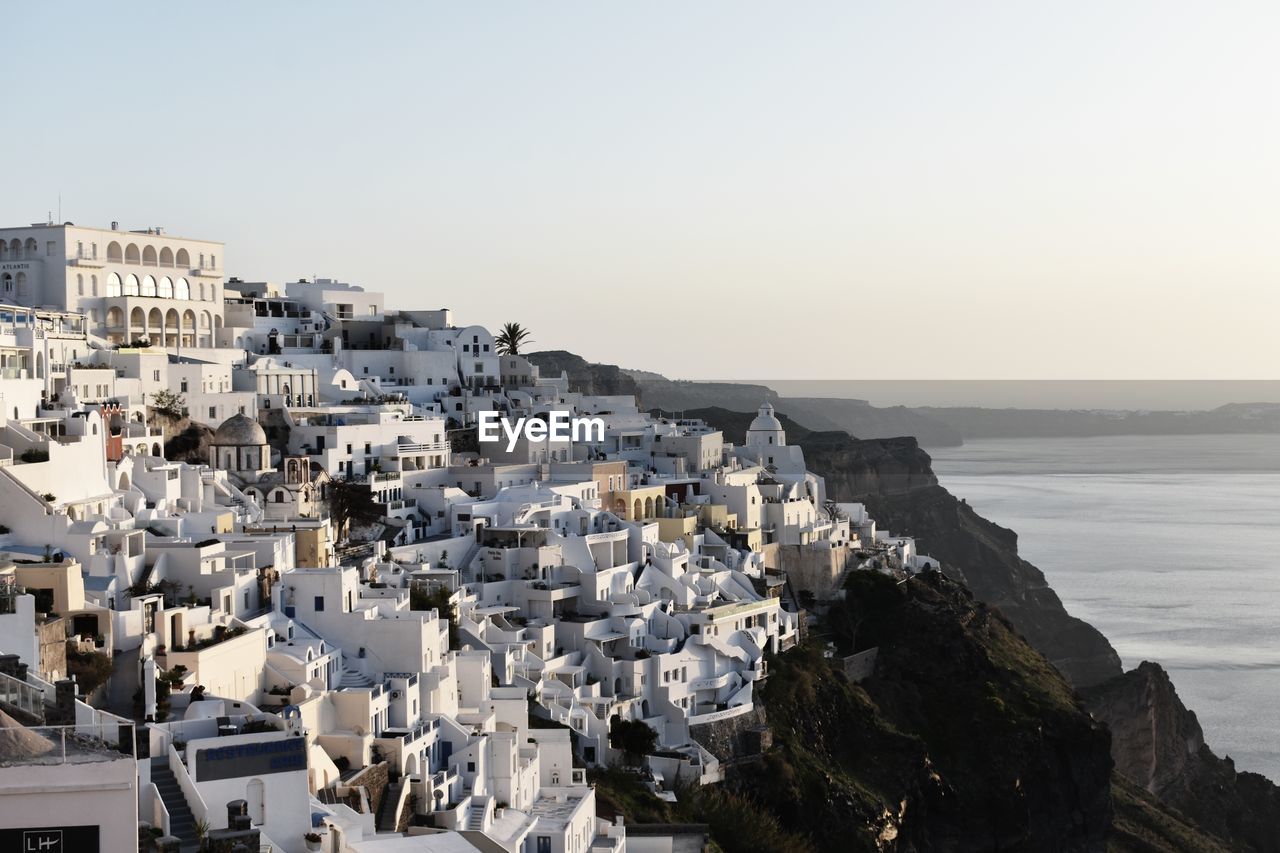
(251, 759)
(51, 839)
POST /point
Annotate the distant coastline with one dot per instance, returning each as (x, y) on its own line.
(1110, 408)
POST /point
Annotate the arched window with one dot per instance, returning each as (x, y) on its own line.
(93, 285)
(7, 281)
(183, 259)
(204, 319)
(33, 248)
(181, 290)
(114, 288)
(148, 286)
(131, 285)
(201, 291)
(131, 255)
(113, 252)
(149, 256)
(137, 318)
(79, 285)
(165, 289)
(166, 257)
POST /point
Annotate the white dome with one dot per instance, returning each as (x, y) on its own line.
(765, 421)
(239, 431)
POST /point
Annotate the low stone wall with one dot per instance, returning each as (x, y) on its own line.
(375, 778)
(735, 738)
(814, 569)
(861, 666)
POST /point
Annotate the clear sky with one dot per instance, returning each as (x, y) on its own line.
(710, 189)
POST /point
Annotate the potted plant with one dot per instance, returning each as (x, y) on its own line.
(313, 840)
(202, 828)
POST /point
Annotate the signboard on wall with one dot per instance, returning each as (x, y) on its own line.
(50, 839)
(251, 759)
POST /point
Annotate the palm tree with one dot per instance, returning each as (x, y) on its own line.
(512, 337)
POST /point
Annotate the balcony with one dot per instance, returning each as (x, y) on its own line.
(435, 447)
(93, 263)
(715, 683)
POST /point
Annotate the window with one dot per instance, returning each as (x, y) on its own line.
(213, 411)
(183, 386)
(155, 375)
(319, 603)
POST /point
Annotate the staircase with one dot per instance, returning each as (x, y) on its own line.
(475, 815)
(182, 824)
(353, 678)
(388, 815)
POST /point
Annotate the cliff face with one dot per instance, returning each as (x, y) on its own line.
(1158, 745)
(965, 739)
(588, 378)
(894, 478)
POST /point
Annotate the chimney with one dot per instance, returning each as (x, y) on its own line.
(238, 815)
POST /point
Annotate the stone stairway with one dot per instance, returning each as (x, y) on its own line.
(387, 816)
(182, 823)
(475, 815)
(353, 678)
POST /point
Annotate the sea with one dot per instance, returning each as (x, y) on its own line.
(1170, 545)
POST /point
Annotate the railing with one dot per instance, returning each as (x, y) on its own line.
(195, 802)
(422, 448)
(21, 695)
(77, 744)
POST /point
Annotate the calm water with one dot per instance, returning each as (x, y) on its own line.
(1169, 545)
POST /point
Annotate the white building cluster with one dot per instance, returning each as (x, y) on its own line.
(352, 628)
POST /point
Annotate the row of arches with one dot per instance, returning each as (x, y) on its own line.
(15, 250)
(147, 256)
(168, 328)
(163, 288)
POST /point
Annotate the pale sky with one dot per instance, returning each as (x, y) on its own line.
(711, 189)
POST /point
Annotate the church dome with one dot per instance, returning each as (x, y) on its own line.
(765, 421)
(239, 430)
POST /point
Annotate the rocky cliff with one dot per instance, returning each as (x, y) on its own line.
(1159, 746)
(964, 739)
(588, 378)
